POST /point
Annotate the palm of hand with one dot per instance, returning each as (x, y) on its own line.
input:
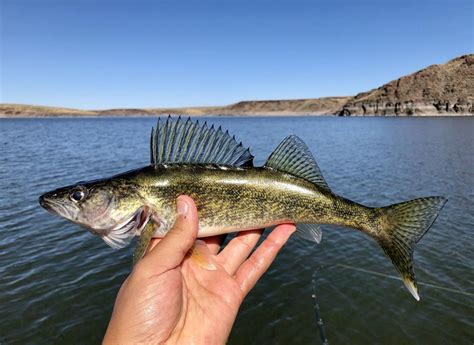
(210, 302)
(171, 297)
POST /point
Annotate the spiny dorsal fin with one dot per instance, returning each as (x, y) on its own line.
(179, 141)
(293, 157)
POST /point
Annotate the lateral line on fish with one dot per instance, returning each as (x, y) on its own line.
(232, 194)
(398, 278)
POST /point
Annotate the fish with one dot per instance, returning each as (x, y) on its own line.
(231, 195)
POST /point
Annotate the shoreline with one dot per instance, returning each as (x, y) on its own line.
(111, 116)
(422, 93)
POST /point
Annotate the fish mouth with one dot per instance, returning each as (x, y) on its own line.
(116, 235)
(55, 207)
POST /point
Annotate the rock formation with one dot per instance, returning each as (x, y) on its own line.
(446, 89)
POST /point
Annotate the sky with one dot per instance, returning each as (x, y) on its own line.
(94, 54)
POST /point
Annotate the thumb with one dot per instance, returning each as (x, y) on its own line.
(172, 249)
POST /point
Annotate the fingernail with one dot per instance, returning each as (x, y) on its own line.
(182, 207)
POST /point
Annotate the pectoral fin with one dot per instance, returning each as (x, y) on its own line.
(200, 255)
(144, 241)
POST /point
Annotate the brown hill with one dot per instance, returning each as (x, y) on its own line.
(446, 89)
(24, 110)
(315, 106)
(312, 106)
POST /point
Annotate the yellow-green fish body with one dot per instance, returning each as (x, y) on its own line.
(231, 199)
(233, 195)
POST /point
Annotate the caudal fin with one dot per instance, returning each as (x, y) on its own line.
(403, 226)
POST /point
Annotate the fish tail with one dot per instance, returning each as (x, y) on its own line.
(397, 228)
(401, 227)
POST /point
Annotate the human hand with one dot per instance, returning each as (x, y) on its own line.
(171, 298)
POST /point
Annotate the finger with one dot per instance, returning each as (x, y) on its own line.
(254, 267)
(214, 243)
(238, 250)
(171, 250)
(153, 243)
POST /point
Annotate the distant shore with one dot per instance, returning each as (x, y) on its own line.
(330, 106)
(183, 114)
(301, 107)
(438, 90)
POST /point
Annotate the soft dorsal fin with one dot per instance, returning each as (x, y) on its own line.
(293, 157)
(178, 141)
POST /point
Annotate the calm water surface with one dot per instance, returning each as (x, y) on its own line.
(58, 282)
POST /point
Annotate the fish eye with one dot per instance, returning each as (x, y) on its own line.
(78, 195)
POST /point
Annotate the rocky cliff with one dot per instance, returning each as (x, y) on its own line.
(446, 89)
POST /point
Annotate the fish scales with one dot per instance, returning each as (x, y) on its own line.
(230, 199)
(232, 195)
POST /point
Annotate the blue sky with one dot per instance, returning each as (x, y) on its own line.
(102, 54)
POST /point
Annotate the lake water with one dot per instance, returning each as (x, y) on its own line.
(58, 282)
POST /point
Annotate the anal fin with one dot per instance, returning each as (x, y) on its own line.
(309, 232)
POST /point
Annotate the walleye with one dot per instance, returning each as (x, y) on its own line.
(232, 195)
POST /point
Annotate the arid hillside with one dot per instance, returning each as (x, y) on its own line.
(313, 106)
(24, 110)
(446, 89)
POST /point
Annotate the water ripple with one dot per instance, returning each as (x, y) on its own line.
(58, 282)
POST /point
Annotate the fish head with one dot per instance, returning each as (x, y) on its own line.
(108, 208)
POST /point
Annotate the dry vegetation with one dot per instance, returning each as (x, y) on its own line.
(446, 89)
